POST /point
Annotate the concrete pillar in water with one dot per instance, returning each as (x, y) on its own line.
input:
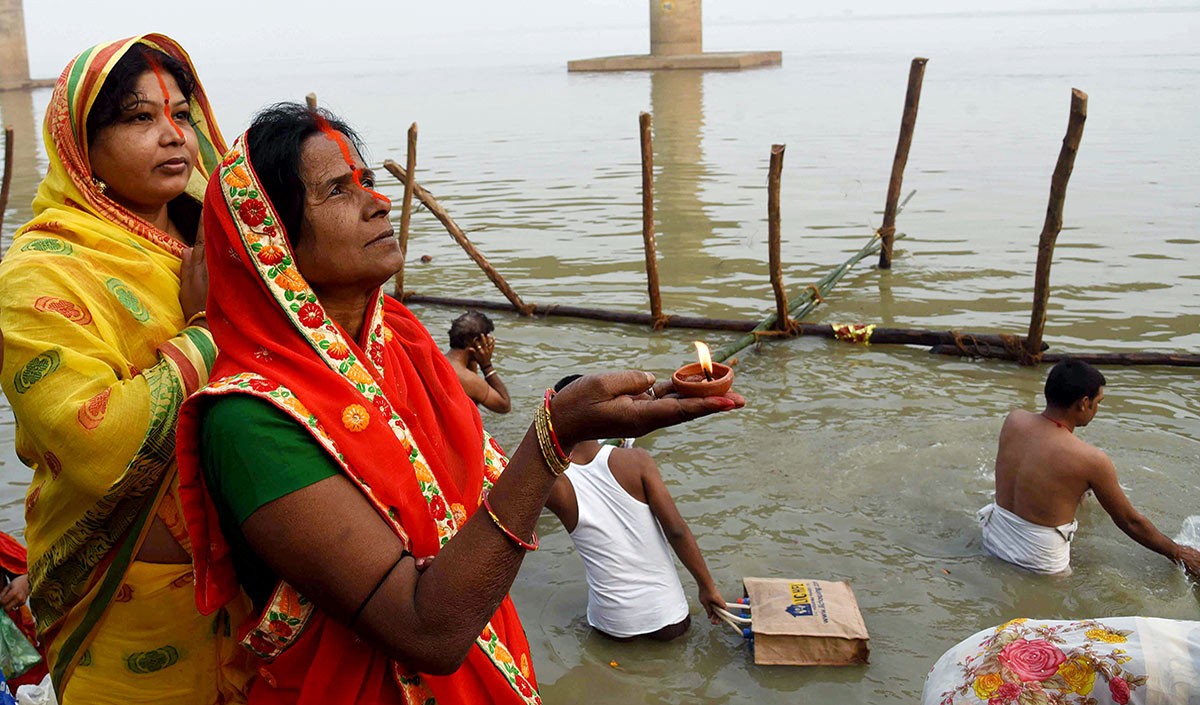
(677, 42)
(675, 28)
(14, 60)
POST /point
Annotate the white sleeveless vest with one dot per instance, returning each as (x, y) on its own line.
(633, 587)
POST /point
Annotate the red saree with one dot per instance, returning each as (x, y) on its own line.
(390, 395)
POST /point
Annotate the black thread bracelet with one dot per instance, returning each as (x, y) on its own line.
(363, 605)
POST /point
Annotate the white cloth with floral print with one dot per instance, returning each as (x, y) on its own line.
(1113, 660)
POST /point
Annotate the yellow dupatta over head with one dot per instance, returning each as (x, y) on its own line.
(97, 360)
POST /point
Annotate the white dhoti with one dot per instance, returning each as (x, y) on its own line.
(1041, 549)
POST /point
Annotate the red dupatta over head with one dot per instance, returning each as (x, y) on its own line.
(388, 408)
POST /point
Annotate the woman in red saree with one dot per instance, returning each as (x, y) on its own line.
(335, 444)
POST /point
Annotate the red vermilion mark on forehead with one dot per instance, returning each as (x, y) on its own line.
(340, 140)
(157, 69)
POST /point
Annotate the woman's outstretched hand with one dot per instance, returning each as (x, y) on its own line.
(616, 405)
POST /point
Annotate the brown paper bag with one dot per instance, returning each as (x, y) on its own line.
(806, 623)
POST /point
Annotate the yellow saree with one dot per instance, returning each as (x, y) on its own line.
(96, 363)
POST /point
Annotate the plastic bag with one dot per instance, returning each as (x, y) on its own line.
(17, 655)
(40, 694)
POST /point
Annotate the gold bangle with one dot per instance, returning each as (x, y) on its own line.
(195, 317)
(541, 424)
(550, 426)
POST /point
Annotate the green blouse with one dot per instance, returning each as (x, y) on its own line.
(252, 454)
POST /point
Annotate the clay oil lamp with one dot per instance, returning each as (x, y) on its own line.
(704, 378)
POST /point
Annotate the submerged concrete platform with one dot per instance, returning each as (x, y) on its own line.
(731, 60)
(30, 84)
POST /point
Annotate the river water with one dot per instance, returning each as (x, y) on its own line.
(857, 463)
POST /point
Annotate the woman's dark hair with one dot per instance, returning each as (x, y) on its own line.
(273, 143)
(1070, 381)
(119, 92)
(467, 327)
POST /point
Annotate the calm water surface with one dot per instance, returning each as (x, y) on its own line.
(863, 464)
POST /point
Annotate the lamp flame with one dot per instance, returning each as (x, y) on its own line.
(705, 359)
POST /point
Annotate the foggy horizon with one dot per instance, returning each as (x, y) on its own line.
(56, 31)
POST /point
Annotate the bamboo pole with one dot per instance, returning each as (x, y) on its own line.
(982, 342)
(6, 181)
(460, 237)
(410, 169)
(647, 141)
(912, 98)
(782, 321)
(942, 342)
(806, 303)
(1053, 224)
(311, 100)
(1130, 358)
(1125, 359)
(591, 314)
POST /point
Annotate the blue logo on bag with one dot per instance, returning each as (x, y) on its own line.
(800, 610)
(801, 604)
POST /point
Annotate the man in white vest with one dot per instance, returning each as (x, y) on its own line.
(613, 503)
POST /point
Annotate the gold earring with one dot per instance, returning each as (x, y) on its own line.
(99, 185)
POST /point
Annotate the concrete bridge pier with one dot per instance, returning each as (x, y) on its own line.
(675, 28)
(677, 42)
(14, 60)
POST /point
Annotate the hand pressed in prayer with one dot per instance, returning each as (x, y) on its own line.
(193, 279)
(482, 350)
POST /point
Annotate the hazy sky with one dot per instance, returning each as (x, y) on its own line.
(224, 31)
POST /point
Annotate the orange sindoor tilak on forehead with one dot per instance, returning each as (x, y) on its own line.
(157, 69)
(340, 141)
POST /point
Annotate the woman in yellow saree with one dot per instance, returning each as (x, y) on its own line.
(102, 301)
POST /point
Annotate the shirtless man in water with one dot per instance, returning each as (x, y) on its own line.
(1043, 471)
(470, 354)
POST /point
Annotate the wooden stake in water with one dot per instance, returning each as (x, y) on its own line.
(311, 99)
(410, 167)
(460, 237)
(1053, 224)
(5, 180)
(648, 215)
(912, 98)
(773, 237)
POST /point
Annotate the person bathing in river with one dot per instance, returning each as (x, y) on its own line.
(613, 503)
(470, 354)
(1043, 471)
